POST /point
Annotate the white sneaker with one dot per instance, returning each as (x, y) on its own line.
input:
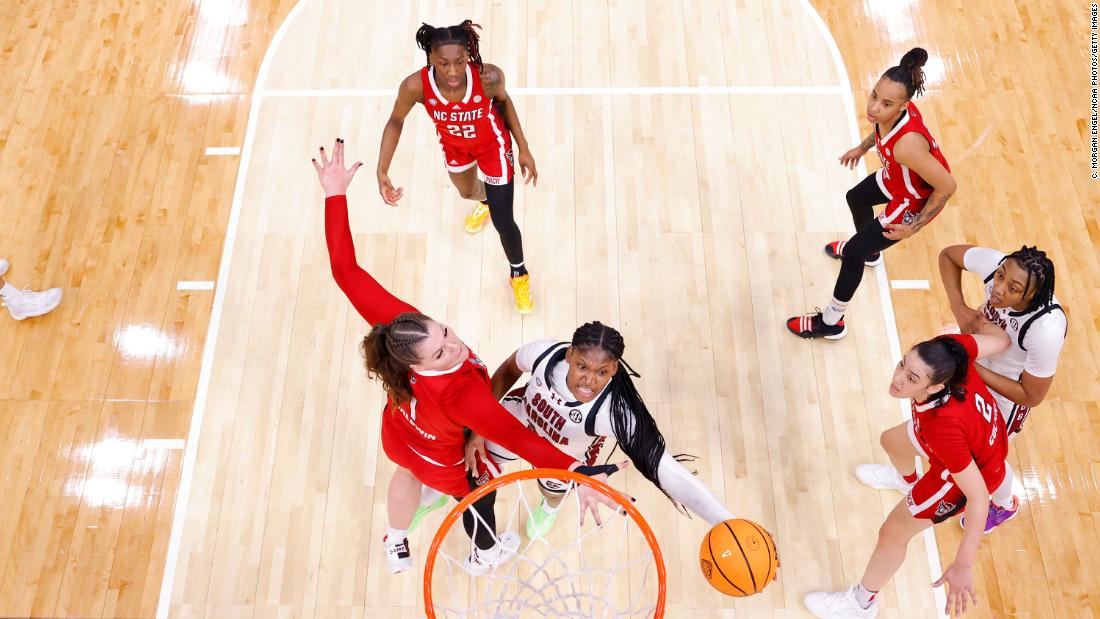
(882, 477)
(29, 303)
(838, 605)
(481, 561)
(398, 557)
(4, 266)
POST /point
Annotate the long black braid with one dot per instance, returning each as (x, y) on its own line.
(429, 37)
(633, 425)
(1040, 271)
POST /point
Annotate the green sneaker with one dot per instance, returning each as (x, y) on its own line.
(540, 521)
(424, 510)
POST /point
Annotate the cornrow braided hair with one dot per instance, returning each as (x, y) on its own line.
(390, 348)
(1040, 272)
(429, 37)
(908, 71)
(950, 363)
(633, 425)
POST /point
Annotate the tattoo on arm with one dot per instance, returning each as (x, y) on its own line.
(929, 211)
(868, 143)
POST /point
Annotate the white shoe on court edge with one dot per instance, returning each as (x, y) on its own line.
(882, 477)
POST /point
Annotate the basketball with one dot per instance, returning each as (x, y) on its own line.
(738, 557)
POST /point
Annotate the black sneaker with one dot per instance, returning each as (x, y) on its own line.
(813, 325)
(835, 250)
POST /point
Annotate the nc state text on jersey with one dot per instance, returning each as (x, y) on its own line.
(458, 117)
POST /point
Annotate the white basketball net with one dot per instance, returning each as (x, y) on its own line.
(583, 572)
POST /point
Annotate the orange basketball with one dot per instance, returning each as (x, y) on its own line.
(738, 557)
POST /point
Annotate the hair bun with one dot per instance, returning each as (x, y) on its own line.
(914, 59)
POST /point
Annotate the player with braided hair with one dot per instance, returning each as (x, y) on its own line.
(437, 388)
(580, 393)
(956, 427)
(476, 122)
(914, 182)
(1019, 297)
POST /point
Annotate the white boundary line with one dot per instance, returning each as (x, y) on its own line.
(222, 151)
(909, 284)
(608, 90)
(183, 492)
(190, 284)
(259, 94)
(931, 550)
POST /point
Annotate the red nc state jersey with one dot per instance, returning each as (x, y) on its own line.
(468, 124)
(896, 180)
(954, 433)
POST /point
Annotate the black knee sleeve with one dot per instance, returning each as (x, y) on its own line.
(500, 199)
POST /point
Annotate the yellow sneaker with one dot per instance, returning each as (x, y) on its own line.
(521, 290)
(475, 221)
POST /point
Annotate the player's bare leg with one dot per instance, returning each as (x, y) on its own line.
(903, 473)
(470, 187)
(402, 499)
(859, 601)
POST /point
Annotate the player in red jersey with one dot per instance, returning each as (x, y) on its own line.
(437, 389)
(957, 428)
(914, 182)
(476, 121)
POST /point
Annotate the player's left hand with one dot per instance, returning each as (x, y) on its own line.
(474, 444)
(898, 232)
(960, 585)
(331, 172)
(590, 499)
(527, 168)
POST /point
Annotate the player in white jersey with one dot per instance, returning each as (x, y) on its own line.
(579, 394)
(1019, 297)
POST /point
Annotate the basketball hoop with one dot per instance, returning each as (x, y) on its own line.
(613, 570)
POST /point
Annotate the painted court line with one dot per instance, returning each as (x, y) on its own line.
(931, 550)
(608, 90)
(188, 284)
(216, 151)
(909, 284)
(187, 471)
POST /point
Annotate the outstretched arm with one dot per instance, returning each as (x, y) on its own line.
(373, 302)
(689, 490)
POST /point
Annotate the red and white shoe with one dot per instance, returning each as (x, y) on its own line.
(835, 250)
(813, 326)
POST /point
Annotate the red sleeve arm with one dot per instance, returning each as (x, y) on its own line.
(373, 302)
(484, 415)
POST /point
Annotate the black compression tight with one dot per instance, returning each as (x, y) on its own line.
(483, 527)
(500, 199)
(866, 242)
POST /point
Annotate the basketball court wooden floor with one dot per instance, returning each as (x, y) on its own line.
(686, 187)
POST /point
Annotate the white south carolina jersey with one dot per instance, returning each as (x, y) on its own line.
(546, 406)
(1037, 336)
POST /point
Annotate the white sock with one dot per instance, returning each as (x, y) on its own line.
(550, 510)
(8, 291)
(834, 311)
(428, 496)
(395, 536)
(864, 596)
(1002, 496)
